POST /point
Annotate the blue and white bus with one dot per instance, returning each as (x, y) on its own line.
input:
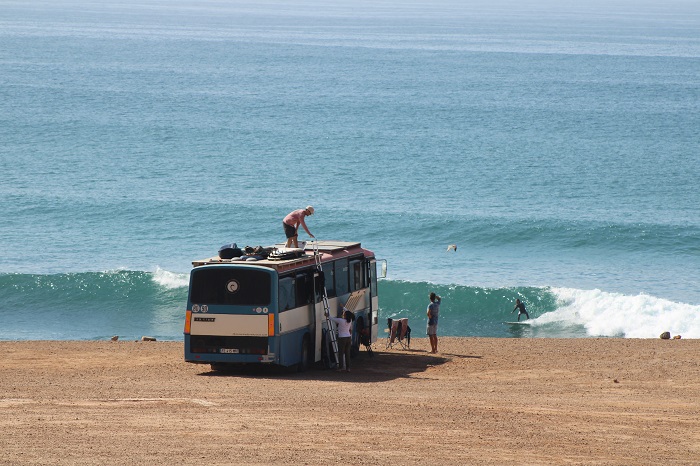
(270, 310)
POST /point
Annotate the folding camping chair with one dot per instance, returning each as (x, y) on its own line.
(399, 332)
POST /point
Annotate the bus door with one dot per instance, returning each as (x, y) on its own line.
(321, 281)
(373, 312)
(317, 316)
(358, 301)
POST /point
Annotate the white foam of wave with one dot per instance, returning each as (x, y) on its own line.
(612, 314)
(171, 280)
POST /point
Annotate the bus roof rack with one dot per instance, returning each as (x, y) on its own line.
(333, 248)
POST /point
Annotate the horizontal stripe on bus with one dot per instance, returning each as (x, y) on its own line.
(229, 325)
(294, 319)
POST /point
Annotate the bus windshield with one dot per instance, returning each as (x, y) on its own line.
(229, 286)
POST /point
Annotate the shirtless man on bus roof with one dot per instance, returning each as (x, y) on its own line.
(291, 225)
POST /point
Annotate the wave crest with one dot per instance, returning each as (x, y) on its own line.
(619, 315)
(171, 280)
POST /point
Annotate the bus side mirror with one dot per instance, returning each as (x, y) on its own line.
(383, 269)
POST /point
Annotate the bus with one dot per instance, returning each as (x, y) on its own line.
(270, 308)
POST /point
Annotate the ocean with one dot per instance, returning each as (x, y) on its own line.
(555, 143)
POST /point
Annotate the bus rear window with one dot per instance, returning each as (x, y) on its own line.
(230, 286)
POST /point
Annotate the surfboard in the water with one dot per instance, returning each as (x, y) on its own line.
(516, 323)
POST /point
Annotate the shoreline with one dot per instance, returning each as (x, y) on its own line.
(478, 401)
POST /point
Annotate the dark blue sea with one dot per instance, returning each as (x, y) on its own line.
(556, 143)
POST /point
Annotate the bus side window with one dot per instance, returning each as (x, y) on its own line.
(304, 289)
(286, 293)
(341, 277)
(356, 277)
(318, 286)
(329, 277)
(365, 274)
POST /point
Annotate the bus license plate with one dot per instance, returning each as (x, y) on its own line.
(228, 350)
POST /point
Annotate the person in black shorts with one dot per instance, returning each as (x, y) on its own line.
(433, 314)
(291, 225)
(521, 309)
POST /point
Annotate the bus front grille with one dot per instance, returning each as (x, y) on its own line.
(228, 345)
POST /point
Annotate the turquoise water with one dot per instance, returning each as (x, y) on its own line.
(555, 144)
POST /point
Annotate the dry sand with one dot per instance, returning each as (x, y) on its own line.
(479, 401)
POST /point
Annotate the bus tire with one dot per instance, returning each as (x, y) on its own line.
(327, 355)
(220, 367)
(226, 367)
(305, 355)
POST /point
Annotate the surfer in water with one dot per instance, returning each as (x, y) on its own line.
(521, 309)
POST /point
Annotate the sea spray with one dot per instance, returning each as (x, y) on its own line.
(617, 315)
(171, 280)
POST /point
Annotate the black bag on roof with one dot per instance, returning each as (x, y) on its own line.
(229, 251)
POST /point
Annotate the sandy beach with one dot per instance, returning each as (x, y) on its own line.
(479, 401)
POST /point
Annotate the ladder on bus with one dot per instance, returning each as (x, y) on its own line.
(332, 337)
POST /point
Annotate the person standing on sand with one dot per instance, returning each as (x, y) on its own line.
(344, 325)
(291, 225)
(521, 309)
(433, 314)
